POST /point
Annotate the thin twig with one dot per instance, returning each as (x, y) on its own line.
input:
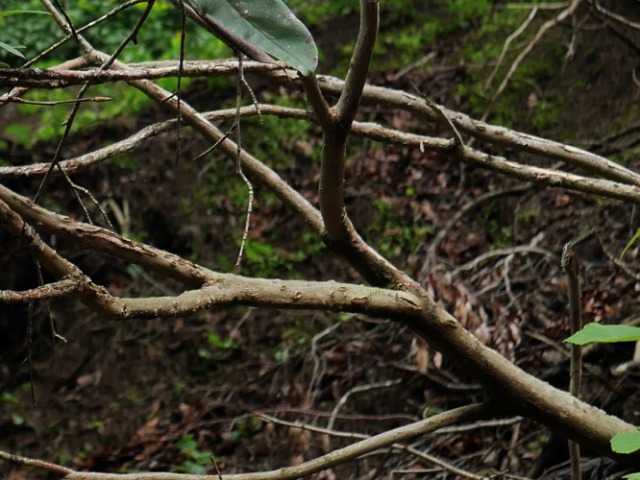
(430, 257)
(614, 16)
(396, 445)
(526, 50)
(58, 102)
(507, 42)
(52, 290)
(35, 463)
(245, 231)
(89, 25)
(357, 389)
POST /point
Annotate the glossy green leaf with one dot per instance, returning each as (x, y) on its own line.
(595, 332)
(626, 442)
(266, 24)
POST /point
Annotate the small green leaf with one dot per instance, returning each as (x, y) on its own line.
(626, 442)
(187, 443)
(595, 332)
(633, 476)
(630, 243)
(223, 343)
(11, 49)
(268, 25)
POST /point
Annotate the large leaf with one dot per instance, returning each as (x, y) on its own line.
(595, 332)
(266, 24)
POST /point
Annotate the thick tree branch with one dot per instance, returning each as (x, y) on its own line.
(511, 387)
(217, 289)
(105, 241)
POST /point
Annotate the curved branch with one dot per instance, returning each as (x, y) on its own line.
(103, 240)
(347, 105)
(491, 133)
(371, 94)
(49, 291)
(511, 387)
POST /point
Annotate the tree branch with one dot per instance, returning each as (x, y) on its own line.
(347, 106)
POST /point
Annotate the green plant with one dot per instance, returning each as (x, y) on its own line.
(393, 233)
(223, 343)
(269, 26)
(14, 49)
(196, 461)
(245, 428)
(9, 397)
(222, 346)
(623, 442)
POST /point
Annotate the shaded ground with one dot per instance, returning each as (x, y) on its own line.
(166, 394)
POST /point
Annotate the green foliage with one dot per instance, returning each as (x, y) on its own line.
(268, 25)
(415, 26)
(9, 397)
(196, 461)
(461, 13)
(159, 39)
(316, 12)
(222, 348)
(623, 442)
(392, 234)
(245, 428)
(13, 49)
(481, 50)
(272, 138)
(222, 343)
(595, 332)
(627, 442)
(259, 253)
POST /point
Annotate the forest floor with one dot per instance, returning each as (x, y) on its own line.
(173, 394)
